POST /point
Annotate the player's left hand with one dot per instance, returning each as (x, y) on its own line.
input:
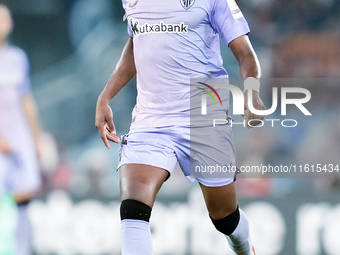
(258, 105)
(104, 122)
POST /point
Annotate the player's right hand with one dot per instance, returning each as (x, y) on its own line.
(258, 104)
(104, 122)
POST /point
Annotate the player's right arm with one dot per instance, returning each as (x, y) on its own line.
(123, 73)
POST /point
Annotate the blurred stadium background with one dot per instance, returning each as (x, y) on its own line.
(73, 46)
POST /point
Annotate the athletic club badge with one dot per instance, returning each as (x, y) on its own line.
(187, 3)
(133, 3)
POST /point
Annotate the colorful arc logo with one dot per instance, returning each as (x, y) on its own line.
(209, 93)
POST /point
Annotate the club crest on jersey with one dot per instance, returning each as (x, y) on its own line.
(187, 3)
(133, 3)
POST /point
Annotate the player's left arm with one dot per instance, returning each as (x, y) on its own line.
(31, 113)
(249, 67)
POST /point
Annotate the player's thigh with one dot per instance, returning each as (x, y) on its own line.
(220, 201)
(141, 182)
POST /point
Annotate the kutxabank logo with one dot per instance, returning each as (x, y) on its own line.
(187, 3)
(162, 27)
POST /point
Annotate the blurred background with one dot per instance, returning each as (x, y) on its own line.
(73, 46)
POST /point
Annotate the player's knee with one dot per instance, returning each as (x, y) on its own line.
(134, 210)
(228, 224)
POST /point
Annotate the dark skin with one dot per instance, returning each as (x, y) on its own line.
(142, 182)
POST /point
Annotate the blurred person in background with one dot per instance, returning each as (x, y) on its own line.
(19, 132)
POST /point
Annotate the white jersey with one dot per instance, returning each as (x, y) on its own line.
(174, 41)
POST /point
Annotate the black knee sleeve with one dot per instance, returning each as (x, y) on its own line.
(228, 224)
(134, 210)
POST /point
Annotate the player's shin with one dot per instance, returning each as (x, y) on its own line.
(135, 229)
(236, 229)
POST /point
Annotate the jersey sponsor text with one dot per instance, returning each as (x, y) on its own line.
(137, 29)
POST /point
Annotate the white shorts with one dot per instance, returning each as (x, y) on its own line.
(205, 154)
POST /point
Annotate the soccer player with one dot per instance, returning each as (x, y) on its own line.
(19, 131)
(171, 42)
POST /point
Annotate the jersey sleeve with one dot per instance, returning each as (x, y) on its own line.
(227, 20)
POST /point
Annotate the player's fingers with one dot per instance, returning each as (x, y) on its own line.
(255, 120)
(252, 120)
(103, 136)
(111, 126)
(111, 135)
(113, 138)
(105, 140)
(109, 121)
(248, 119)
(257, 117)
